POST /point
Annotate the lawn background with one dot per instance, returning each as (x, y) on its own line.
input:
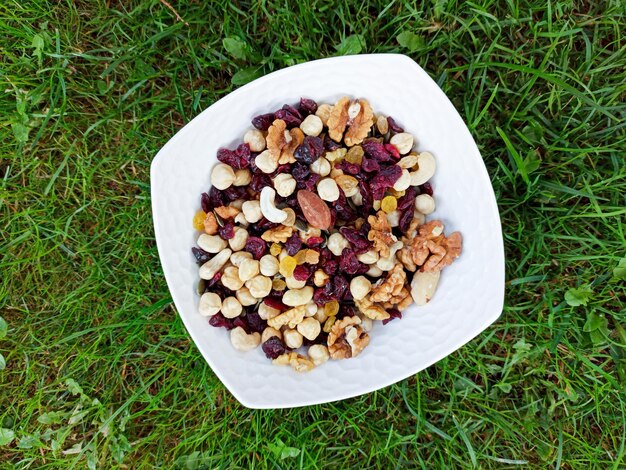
(98, 370)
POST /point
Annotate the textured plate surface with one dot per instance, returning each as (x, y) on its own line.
(471, 292)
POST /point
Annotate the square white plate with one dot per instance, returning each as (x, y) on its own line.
(470, 295)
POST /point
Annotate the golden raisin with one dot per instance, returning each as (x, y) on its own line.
(331, 308)
(328, 324)
(396, 194)
(279, 284)
(287, 266)
(355, 155)
(389, 204)
(198, 220)
(275, 249)
(301, 257)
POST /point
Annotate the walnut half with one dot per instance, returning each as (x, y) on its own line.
(380, 234)
(281, 143)
(431, 249)
(357, 116)
(347, 338)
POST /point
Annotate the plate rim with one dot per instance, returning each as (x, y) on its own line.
(407, 372)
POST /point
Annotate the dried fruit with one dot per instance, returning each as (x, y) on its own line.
(331, 308)
(273, 347)
(275, 249)
(315, 210)
(384, 179)
(310, 150)
(293, 244)
(307, 106)
(263, 121)
(256, 246)
(287, 266)
(198, 220)
(388, 204)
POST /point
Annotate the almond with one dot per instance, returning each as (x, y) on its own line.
(315, 211)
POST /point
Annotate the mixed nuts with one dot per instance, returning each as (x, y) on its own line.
(314, 227)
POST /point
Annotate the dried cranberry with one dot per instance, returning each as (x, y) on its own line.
(237, 159)
(256, 246)
(263, 121)
(384, 179)
(393, 125)
(408, 199)
(214, 280)
(273, 347)
(393, 151)
(376, 150)
(255, 322)
(239, 321)
(290, 115)
(300, 172)
(330, 144)
(349, 168)
(301, 273)
(314, 241)
(323, 295)
(309, 183)
(259, 181)
(232, 193)
(340, 284)
(227, 231)
(200, 255)
(393, 314)
(331, 267)
(293, 244)
(369, 165)
(426, 188)
(220, 321)
(405, 219)
(347, 311)
(310, 150)
(356, 238)
(284, 168)
(205, 202)
(348, 262)
(275, 302)
(366, 195)
(265, 224)
(342, 208)
(307, 106)
(216, 198)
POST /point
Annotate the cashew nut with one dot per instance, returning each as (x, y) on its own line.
(295, 297)
(423, 286)
(211, 267)
(425, 169)
(211, 243)
(403, 141)
(268, 209)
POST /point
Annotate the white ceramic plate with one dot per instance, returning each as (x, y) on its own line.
(471, 292)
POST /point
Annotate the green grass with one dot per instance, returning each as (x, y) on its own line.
(100, 371)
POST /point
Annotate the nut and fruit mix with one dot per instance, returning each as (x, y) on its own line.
(314, 228)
